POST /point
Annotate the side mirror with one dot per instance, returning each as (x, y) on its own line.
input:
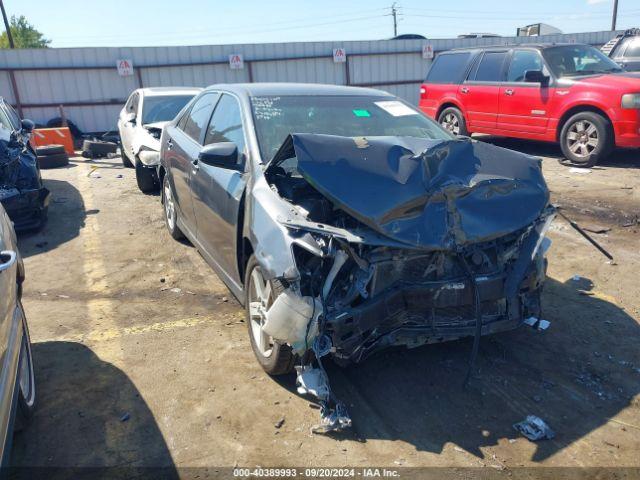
(536, 76)
(28, 126)
(223, 155)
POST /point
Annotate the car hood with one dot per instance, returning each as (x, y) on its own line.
(436, 194)
(628, 80)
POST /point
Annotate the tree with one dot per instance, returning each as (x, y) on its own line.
(24, 35)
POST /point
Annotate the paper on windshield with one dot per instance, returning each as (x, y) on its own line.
(396, 108)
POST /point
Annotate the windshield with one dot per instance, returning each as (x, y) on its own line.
(163, 108)
(575, 60)
(350, 116)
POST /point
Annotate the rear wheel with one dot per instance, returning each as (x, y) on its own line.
(170, 213)
(25, 380)
(451, 119)
(586, 138)
(275, 358)
(125, 159)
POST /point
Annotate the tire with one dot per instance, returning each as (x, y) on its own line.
(170, 211)
(452, 120)
(146, 180)
(586, 138)
(25, 380)
(97, 148)
(49, 150)
(274, 358)
(53, 161)
(125, 159)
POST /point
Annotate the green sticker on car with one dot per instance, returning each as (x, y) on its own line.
(361, 113)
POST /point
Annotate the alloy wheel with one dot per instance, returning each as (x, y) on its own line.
(450, 122)
(582, 138)
(169, 206)
(259, 302)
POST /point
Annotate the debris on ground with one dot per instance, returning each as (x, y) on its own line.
(125, 417)
(536, 323)
(534, 428)
(596, 229)
(579, 170)
(279, 423)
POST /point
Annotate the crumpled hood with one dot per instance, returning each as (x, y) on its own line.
(436, 194)
(159, 125)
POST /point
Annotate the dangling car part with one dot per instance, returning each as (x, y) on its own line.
(371, 228)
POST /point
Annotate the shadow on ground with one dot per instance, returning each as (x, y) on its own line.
(577, 375)
(619, 158)
(89, 414)
(66, 217)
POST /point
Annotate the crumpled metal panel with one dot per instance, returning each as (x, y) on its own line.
(426, 193)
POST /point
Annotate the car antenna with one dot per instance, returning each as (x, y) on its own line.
(584, 234)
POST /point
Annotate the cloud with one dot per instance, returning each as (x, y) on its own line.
(596, 2)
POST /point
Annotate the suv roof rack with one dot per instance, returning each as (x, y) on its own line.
(608, 47)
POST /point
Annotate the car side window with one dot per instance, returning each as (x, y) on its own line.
(489, 68)
(521, 62)
(199, 115)
(5, 122)
(226, 124)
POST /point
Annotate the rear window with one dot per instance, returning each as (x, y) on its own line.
(449, 68)
(633, 50)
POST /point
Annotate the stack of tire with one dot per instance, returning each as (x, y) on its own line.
(51, 156)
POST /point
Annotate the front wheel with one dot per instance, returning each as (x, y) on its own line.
(170, 213)
(451, 119)
(146, 179)
(586, 138)
(275, 358)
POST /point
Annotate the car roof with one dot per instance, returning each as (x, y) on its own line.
(537, 46)
(158, 91)
(303, 89)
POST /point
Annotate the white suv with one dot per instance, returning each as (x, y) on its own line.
(140, 124)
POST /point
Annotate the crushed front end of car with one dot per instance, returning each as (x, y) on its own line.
(397, 241)
(22, 193)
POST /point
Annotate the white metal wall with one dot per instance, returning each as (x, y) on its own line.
(274, 62)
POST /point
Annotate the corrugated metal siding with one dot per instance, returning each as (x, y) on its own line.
(104, 84)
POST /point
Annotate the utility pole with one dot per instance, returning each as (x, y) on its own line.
(6, 25)
(615, 14)
(394, 14)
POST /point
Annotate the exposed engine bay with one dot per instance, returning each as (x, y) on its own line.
(408, 241)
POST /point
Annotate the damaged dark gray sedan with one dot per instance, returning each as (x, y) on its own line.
(347, 222)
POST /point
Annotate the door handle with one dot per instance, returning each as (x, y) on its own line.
(195, 166)
(464, 90)
(7, 259)
(508, 91)
(169, 144)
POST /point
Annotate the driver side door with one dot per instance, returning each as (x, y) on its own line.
(524, 107)
(218, 191)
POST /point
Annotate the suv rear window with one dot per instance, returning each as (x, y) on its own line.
(449, 68)
(633, 50)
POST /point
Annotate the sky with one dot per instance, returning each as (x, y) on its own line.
(84, 23)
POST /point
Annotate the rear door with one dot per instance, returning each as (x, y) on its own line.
(479, 93)
(8, 289)
(524, 107)
(182, 147)
(217, 192)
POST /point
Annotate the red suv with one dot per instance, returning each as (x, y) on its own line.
(569, 93)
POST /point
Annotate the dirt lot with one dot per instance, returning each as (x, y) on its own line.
(143, 356)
